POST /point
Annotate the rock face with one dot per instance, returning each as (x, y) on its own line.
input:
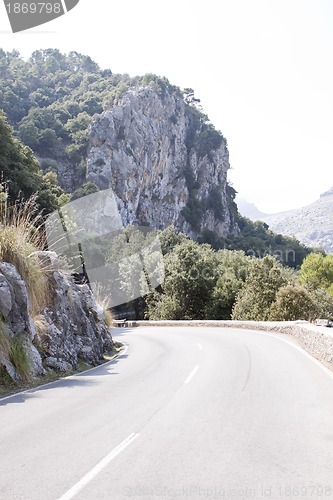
(74, 324)
(72, 327)
(16, 323)
(311, 225)
(164, 161)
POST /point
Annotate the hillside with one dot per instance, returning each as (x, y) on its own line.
(143, 138)
(312, 224)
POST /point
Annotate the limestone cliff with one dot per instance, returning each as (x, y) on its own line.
(164, 161)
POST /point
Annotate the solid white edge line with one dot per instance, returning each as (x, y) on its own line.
(298, 348)
(191, 375)
(98, 468)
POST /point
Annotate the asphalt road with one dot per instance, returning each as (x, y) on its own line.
(184, 413)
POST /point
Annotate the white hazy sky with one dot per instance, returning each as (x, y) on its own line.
(263, 70)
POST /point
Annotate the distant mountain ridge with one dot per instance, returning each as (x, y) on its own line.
(249, 210)
(312, 224)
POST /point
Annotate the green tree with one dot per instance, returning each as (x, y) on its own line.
(18, 167)
(86, 189)
(231, 270)
(294, 302)
(317, 271)
(169, 238)
(188, 284)
(254, 300)
(21, 172)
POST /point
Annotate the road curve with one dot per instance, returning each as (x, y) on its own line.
(183, 413)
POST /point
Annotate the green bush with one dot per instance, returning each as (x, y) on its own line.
(293, 302)
(254, 300)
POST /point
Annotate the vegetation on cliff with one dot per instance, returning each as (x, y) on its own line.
(49, 103)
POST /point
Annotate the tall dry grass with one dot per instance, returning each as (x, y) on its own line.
(102, 298)
(21, 236)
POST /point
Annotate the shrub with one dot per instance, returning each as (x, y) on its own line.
(293, 302)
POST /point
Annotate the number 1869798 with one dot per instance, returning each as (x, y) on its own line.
(34, 8)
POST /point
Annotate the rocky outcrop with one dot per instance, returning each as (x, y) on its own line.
(70, 328)
(16, 323)
(164, 161)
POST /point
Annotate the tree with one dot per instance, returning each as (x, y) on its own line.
(18, 167)
(259, 292)
(86, 189)
(169, 238)
(294, 302)
(231, 270)
(21, 172)
(188, 283)
(317, 271)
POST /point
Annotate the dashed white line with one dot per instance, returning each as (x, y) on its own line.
(191, 375)
(98, 468)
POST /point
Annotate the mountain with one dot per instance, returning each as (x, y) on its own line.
(249, 210)
(143, 138)
(164, 161)
(312, 224)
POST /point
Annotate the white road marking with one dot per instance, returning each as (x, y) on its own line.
(300, 349)
(199, 346)
(191, 375)
(98, 468)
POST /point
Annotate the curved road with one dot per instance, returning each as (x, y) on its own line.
(189, 413)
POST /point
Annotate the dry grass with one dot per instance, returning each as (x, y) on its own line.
(41, 329)
(20, 238)
(5, 345)
(102, 299)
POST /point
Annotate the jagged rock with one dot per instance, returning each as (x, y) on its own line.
(35, 359)
(55, 364)
(74, 320)
(166, 165)
(15, 308)
(5, 297)
(73, 323)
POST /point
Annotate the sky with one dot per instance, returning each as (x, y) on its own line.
(263, 70)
